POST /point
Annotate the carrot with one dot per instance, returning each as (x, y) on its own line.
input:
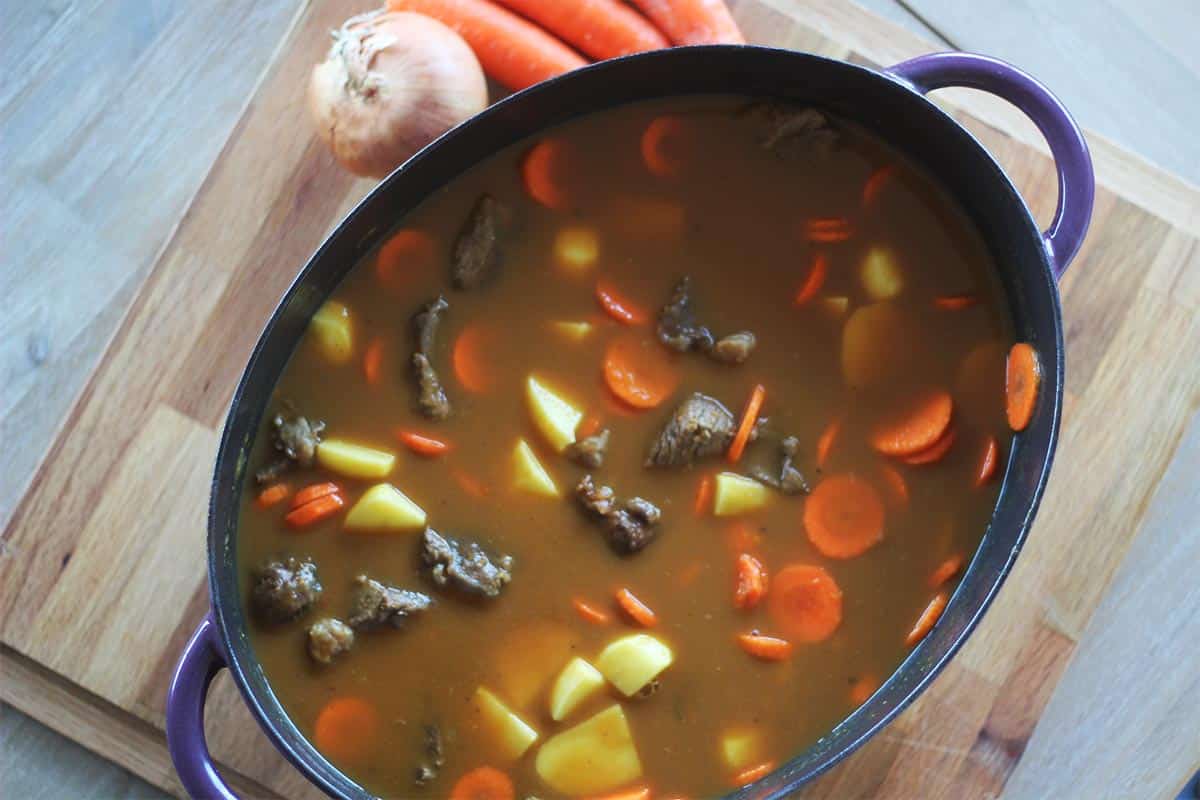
(844, 516)
(928, 618)
(639, 371)
(894, 485)
(767, 648)
(513, 51)
(407, 250)
(470, 365)
(917, 426)
(589, 613)
(827, 230)
(600, 28)
(346, 729)
(743, 538)
(815, 280)
(954, 302)
(987, 465)
(660, 157)
(862, 689)
(806, 602)
(588, 426)
(875, 183)
(638, 611)
(636, 793)
(617, 307)
(752, 582)
(373, 360)
(315, 511)
(693, 21)
(946, 570)
(543, 172)
(483, 783)
(935, 452)
(704, 495)
(313, 492)
(751, 774)
(423, 445)
(271, 495)
(826, 440)
(749, 416)
(469, 483)
(1023, 378)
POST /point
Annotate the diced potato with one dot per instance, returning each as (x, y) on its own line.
(578, 681)
(332, 332)
(384, 508)
(836, 306)
(880, 344)
(577, 249)
(597, 755)
(880, 274)
(527, 659)
(354, 460)
(528, 473)
(741, 747)
(554, 417)
(512, 735)
(631, 662)
(735, 494)
(575, 331)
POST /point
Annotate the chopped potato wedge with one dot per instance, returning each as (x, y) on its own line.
(354, 460)
(384, 508)
(741, 747)
(578, 681)
(554, 417)
(631, 662)
(332, 331)
(836, 306)
(880, 274)
(576, 249)
(513, 735)
(597, 755)
(528, 473)
(575, 331)
(736, 494)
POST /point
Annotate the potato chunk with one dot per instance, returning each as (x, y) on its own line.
(880, 344)
(597, 755)
(571, 330)
(384, 508)
(527, 659)
(741, 747)
(578, 681)
(880, 274)
(736, 494)
(528, 473)
(555, 418)
(354, 460)
(631, 662)
(576, 249)
(332, 331)
(512, 735)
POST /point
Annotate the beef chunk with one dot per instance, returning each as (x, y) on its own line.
(283, 590)
(630, 525)
(700, 427)
(677, 326)
(431, 396)
(789, 480)
(295, 439)
(589, 452)
(477, 249)
(734, 348)
(328, 638)
(792, 130)
(426, 323)
(377, 604)
(429, 767)
(464, 565)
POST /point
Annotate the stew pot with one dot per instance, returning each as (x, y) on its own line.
(890, 102)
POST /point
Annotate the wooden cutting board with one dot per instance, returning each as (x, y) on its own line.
(102, 569)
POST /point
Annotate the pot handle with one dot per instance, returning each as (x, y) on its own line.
(1076, 181)
(201, 661)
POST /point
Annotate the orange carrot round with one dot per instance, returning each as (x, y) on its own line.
(935, 452)
(750, 774)
(815, 280)
(945, 571)
(875, 183)
(806, 602)
(988, 463)
(954, 302)
(639, 372)
(749, 417)
(894, 485)
(827, 230)
(862, 689)
(693, 21)
(928, 619)
(373, 361)
(408, 251)
(826, 440)
(423, 445)
(314, 511)
(660, 146)
(617, 307)
(470, 365)
(752, 582)
(844, 516)
(589, 613)
(312, 492)
(272, 495)
(635, 609)
(483, 783)
(917, 426)
(346, 729)
(543, 170)
(600, 28)
(1023, 378)
(767, 648)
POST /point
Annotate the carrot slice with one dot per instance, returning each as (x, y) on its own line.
(276, 493)
(752, 582)
(346, 729)
(600, 28)
(1023, 378)
(894, 486)
(469, 483)
(373, 360)
(483, 783)
(954, 302)
(589, 612)
(875, 183)
(588, 426)
(423, 445)
(815, 280)
(934, 453)
(639, 372)
(637, 611)
(827, 230)
(704, 495)
(806, 602)
(767, 648)
(826, 440)
(693, 21)
(987, 465)
(927, 619)
(312, 492)
(618, 307)
(751, 774)
(749, 417)
(470, 365)
(315, 511)
(660, 146)
(408, 251)
(945, 571)
(542, 171)
(862, 689)
(917, 427)
(844, 516)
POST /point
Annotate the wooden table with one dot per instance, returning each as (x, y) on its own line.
(120, 112)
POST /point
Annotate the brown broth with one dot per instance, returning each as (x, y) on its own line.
(740, 240)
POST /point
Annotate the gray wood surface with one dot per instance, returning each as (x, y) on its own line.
(112, 110)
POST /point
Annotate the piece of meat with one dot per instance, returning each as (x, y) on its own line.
(589, 452)
(434, 757)
(464, 565)
(295, 439)
(699, 427)
(734, 348)
(477, 249)
(328, 638)
(789, 480)
(600, 500)
(426, 323)
(677, 326)
(629, 526)
(793, 130)
(283, 590)
(377, 604)
(431, 395)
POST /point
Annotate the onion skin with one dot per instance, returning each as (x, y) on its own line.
(391, 84)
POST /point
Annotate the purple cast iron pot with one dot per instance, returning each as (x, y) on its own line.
(892, 104)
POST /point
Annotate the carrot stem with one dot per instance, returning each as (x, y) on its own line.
(589, 613)
(927, 619)
(423, 445)
(766, 648)
(637, 611)
(749, 416)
